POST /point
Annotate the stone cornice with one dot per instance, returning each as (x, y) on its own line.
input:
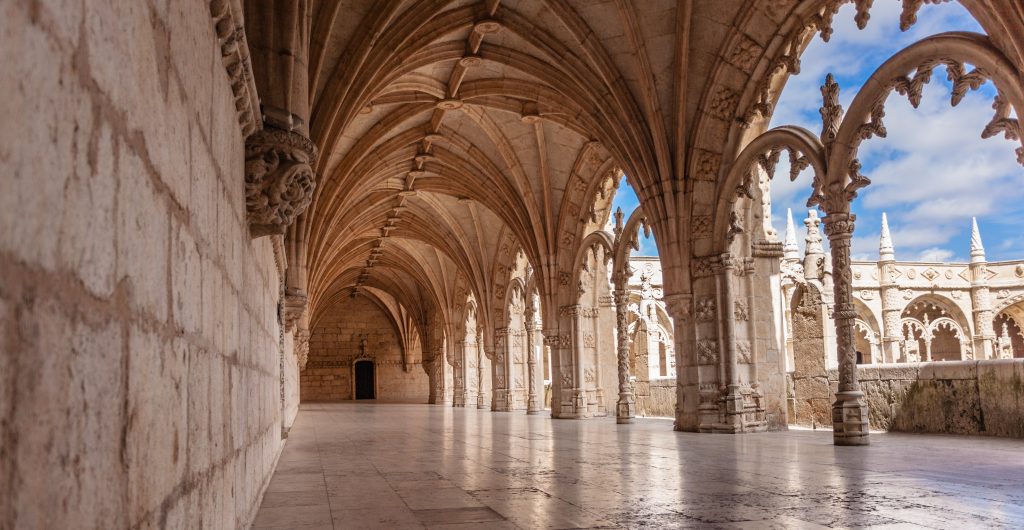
(234, 52)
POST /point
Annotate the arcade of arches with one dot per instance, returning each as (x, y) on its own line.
(215, 210)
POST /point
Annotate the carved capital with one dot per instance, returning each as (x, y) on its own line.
(571, 310)
(839, 226)
(279, 179)
(294, 307)
(678, 305)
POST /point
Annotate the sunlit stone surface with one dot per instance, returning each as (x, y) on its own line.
(410, 466)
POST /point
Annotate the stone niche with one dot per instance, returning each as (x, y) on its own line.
(357, 329)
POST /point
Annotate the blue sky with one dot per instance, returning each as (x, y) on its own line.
(625, 198)
(933, 171)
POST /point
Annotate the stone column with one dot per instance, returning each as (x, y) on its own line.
(459, 390)
(500, 394)
(579, 390)
(625, 410)
(533, 405)
(849, 411)
(687, 379)
(481, 357)
(279, 178)
(552, 343)
(734, 398)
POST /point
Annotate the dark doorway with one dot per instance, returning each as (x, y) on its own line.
(364, 380)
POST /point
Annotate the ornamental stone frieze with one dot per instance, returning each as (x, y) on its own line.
(279, 179)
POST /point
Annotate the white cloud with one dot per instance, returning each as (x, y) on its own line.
(935, 254)
(933, 171)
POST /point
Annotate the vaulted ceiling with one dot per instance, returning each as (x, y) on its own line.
(454, 132)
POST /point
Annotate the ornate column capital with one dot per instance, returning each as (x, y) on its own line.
(679, 305)
(839, 225)
(279, 180)
(571, 310)
(294, 308)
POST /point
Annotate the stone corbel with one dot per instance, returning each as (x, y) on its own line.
(279, 179)
(294, 308)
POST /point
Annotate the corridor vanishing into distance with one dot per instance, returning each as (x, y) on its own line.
(368, 465)
(413, 263)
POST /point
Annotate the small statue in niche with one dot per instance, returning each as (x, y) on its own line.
(362, 346)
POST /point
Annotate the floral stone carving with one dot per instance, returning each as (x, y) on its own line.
(279, 180)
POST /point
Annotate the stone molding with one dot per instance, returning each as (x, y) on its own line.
(234, 51)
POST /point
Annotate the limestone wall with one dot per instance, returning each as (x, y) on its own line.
(963, 397)
(335, 341)
(661, 401)
(139, 357)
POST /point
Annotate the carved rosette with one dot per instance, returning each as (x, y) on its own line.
(279, 180)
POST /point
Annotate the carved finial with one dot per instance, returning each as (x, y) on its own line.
(886, 252)
(831, 112)
(977, 249)
(814, 253)
(790, 250)
(619, 216)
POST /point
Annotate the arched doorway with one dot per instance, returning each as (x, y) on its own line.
(365, 380)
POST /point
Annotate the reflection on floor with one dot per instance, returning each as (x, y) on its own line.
(359, 465)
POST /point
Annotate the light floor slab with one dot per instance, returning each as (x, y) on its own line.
(358, 465)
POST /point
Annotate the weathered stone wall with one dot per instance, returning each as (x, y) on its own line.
(336, 340)
(961, 397)
(139, 357)
(661, 401)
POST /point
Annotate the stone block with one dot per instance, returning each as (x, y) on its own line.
(143, 237)
(1001, 396)
(949, 370)
(87, 218)
(36, 161)
(157, 427)
(186, 279)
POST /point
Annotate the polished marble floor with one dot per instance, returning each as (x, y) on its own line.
(415, 466)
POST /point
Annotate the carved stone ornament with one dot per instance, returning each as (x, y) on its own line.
(294, 307)
(302, 348)
(740, 311)
(707, 351)
(279, 180)
(705, 309)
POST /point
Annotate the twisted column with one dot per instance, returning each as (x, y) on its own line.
(625, 411)
(849, 411)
